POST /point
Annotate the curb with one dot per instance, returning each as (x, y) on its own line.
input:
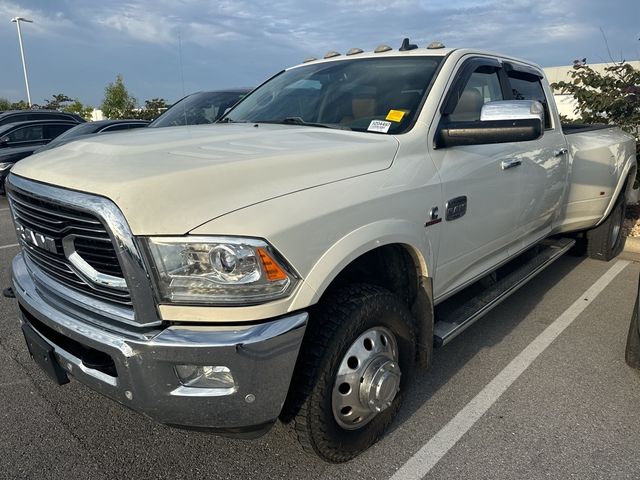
(632, 245)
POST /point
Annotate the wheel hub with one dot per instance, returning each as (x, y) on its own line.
(367, 380)
(382, 382)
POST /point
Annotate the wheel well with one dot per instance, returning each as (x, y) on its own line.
(396, 268)
(390, 266)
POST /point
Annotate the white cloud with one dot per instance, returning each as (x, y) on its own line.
(141, 24)
(44, 22)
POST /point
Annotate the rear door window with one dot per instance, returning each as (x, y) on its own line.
(525, 86)
(52, 131)
(32, 133)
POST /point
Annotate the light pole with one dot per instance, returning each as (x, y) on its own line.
(17, 21)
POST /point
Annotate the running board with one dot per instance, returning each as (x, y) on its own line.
(458, 319)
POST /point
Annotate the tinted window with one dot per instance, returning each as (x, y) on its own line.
(27, 134)
(483, 86)
(528, 87)
(13, 119)
(197, 109)
(46, 116)
(53, 131)
(349, 94)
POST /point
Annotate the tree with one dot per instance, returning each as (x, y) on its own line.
(20, 105)
(612, 97)
(57, 102)
(77, 107)
(118, 103)
(609, 97)
(152, 108)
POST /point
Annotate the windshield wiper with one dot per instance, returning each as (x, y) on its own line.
(228, 120)
(300, 121)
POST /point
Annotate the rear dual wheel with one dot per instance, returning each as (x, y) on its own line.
(354, 366)
(606, 241)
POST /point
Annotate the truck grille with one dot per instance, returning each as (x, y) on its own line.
(48, 223)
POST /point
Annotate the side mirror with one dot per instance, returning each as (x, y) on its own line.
(502, 121)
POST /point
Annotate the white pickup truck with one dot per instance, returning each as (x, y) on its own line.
(299, 259)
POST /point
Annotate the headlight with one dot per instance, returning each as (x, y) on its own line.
(218, 270)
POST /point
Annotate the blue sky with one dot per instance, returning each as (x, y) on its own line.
(76, 47)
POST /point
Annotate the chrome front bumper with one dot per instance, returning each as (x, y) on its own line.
(261, 358)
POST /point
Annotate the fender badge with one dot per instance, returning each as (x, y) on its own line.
(433, 217)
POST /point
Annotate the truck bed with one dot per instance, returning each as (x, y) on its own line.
(571, 128)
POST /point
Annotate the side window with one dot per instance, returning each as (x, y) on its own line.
(54, 130)
(27, 134)
(483, 86)
(18, 118)
(48, 116)
(528, 87)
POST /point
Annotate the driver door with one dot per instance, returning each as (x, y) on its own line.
(480, 202)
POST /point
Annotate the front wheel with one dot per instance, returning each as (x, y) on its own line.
(358, 354)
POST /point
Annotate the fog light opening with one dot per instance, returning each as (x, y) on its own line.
(205, 376)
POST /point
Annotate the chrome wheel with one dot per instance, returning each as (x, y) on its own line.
(368, 378)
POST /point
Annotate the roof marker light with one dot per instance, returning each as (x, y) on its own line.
(354, 51)
(309, 59)
(435, 45)
(382, 48)
(331, 54)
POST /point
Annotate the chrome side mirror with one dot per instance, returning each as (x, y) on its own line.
(503, 121)
(512, 110)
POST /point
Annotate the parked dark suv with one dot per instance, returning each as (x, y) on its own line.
(14, 116)
(19, 140)
(92, 128)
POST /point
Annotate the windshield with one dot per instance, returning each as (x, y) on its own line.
(198, 108)
(370, 94)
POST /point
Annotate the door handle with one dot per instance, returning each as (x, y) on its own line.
(560, 152)
(507, 164)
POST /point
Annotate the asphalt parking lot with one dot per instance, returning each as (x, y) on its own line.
(572, 412)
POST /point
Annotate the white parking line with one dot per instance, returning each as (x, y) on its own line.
(4, 209)
(9, 246)
(430, 454)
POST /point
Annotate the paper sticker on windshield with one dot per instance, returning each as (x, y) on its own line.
(379, 126)
(395, 115)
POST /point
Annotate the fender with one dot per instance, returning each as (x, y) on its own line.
(630, 164)
(358, 242)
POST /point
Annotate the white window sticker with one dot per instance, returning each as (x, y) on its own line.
(379, 126)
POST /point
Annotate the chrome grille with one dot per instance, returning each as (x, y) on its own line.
(92, 243)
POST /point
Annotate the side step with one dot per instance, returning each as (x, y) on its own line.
(453, 320)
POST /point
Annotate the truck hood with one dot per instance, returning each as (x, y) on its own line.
(170, 180)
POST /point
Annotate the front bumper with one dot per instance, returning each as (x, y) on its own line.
(261, 358)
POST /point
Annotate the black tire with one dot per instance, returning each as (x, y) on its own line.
(606, 241)
(632, 352)
(336, 323)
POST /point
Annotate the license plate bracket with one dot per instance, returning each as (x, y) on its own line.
(42, 354)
